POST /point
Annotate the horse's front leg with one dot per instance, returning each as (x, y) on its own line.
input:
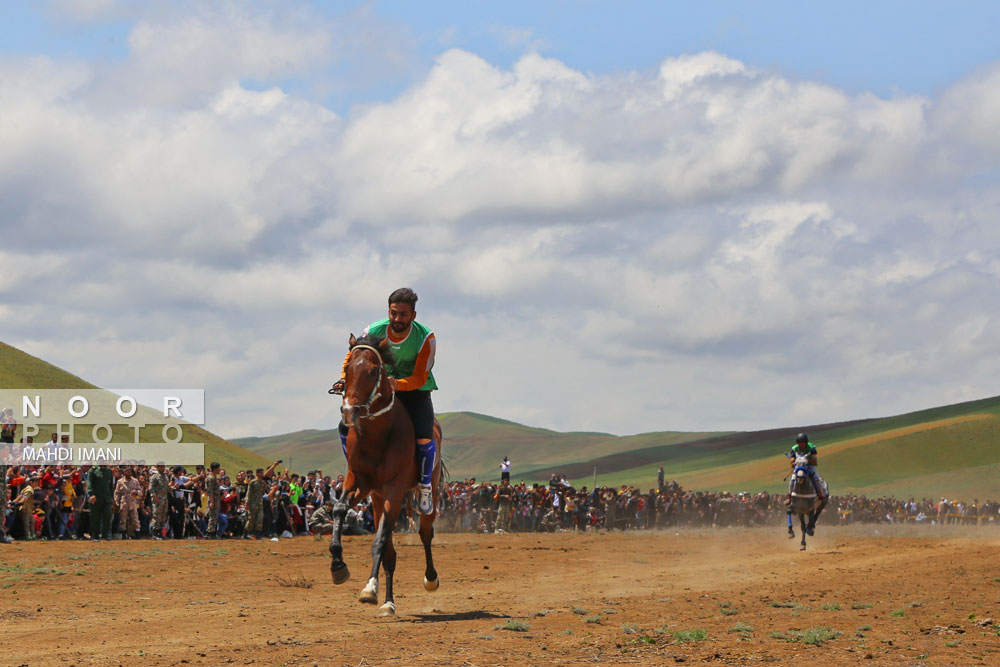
(802, 520)
(369, 593)
(338, 568)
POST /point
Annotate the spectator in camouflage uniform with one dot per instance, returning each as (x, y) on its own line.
(255, 505)
(128, 492)
(214, 500)
(159, 489)
(321, 520)
(505, 503)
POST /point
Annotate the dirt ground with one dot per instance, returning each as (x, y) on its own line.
(859, 595)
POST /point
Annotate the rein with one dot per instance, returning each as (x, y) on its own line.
(375, 393)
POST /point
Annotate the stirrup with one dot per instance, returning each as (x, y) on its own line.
(425, 502)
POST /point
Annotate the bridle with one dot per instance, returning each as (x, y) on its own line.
(375, 393)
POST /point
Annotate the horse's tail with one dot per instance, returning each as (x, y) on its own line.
(445, 475)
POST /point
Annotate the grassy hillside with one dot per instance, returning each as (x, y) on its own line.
(474, 444)
(948, 451)
(20, 370)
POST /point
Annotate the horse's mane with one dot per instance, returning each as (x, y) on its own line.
(374, 341)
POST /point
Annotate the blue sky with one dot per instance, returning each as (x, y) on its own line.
(882, 47)
(619, 216)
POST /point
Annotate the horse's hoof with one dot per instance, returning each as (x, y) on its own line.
(388, 609)
(802, 548)
(369, 593)
(431, 585)
(791, 536)
(340, 574)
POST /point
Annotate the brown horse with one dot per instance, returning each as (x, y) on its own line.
(381, 463)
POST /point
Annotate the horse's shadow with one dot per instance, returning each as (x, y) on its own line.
(460, 616)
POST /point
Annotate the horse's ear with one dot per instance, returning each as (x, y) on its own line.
(352, 341)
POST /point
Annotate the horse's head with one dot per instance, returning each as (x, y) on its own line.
(365, 379)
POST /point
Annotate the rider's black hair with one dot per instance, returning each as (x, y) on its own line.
(404, 295)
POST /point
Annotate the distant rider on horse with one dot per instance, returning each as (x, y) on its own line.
(413, 346)
(804, 448)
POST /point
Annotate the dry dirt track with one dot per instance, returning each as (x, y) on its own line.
(919, 596)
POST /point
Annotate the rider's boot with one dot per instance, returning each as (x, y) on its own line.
(426, 453)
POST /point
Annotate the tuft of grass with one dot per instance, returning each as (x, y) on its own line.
(832, 606)
(696, 635)
(729, 612)
(814, 636)
(593, 619)
(783, 605)
(897, 613)
(580, 611)
(743, 630)
(952, 644)
(862, 605)
(513, 625)
(485, 637)
(864, 628)
(542, 613)
(630, 628)
(288, 581)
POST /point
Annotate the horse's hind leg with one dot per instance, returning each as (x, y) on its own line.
(431, 582)
(802, 520)
(338, 568)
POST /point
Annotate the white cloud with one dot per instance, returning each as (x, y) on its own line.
(708, 245)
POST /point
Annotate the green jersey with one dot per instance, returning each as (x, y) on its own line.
(407, 350)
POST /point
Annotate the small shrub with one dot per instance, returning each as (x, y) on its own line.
(864, 628)
(580, 611)
(729, 612)
(697, 635)
(630, 628)
(743, 630)
(513, 625)
(951, 644)
(593, 619)
(816, 636)
(833, 606)
(897, 613)
(862, 605)
(783, 605)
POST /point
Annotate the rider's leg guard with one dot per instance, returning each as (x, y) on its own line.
(426, 453)
(816, 485)
(342, 429)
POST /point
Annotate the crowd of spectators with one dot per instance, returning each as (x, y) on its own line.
(483, 507)
(53, 502)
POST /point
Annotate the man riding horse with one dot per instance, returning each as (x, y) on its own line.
(413, 347)
(804, 448)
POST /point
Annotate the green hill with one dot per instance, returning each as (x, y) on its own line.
(20, 370)
(474, 444)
